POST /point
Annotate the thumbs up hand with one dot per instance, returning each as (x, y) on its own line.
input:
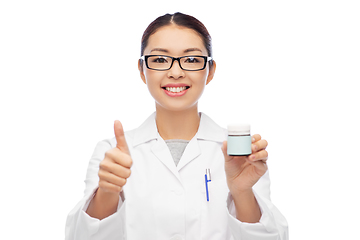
(115, 168)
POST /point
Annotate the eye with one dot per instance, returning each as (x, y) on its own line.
(192, 60)
(159, 59)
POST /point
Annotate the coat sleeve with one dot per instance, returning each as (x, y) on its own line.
(79, 225)
(272, 224)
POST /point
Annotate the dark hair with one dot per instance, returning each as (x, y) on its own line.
(179, 19)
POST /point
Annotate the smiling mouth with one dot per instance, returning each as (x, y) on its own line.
(175, 89)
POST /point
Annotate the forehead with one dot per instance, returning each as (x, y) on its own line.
(175, 40)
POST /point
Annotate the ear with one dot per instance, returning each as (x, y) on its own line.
(141, 70)
(211, 72)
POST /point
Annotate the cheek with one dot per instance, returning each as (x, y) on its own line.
(199, 78)
(153, 79)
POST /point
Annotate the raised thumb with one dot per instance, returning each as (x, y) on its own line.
(120, 137)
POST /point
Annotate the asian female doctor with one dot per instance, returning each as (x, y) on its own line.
(149, 183)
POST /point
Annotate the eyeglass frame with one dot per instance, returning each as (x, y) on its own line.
(206, 58)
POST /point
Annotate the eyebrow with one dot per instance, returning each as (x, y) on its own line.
(159, 50)
(192, 50)
(166, 51)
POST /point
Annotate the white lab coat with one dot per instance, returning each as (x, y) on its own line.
(163, 201)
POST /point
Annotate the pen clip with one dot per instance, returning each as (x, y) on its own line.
(208, 174)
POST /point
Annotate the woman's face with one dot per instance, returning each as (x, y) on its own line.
(176, 41)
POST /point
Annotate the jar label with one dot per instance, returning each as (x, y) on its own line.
(239, 145)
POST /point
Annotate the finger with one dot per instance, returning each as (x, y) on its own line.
(109, 187)
(255, 138)
(120, 137)
(119, 157)
(259, 145)
(111, 178)
(115, 169)
(259, 156)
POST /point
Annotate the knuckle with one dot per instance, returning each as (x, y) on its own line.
(128, 173)
(108, 153)
(118, 189)
(104, 165)
(112, 153)
(261, 155)
(122, 182)
(130, 163)
(101, 174)
(127, 161)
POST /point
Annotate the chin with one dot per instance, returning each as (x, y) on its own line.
(176, 107)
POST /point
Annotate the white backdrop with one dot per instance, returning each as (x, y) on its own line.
(68, 69)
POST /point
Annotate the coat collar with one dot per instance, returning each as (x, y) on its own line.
(208, 130)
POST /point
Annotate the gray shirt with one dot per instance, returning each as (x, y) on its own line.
(177, 148)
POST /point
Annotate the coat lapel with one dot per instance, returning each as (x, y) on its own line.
(191, 152)
(208, 130)
(162, 152)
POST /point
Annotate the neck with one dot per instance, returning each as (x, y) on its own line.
(177, 124)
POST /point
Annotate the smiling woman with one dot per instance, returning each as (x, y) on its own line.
(149, 183)
(176, 41)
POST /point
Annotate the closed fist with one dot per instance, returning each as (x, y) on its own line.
(115, 168)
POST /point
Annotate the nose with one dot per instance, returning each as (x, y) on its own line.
(175, 71)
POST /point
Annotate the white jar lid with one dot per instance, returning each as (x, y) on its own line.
(238, 129)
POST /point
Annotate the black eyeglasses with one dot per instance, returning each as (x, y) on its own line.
(187, 63)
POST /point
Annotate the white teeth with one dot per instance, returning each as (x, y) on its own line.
(175, 89)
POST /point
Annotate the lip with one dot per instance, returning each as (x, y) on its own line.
(176, 85)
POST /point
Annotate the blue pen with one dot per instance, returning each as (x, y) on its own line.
(207, 173)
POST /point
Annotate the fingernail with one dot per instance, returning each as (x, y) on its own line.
(252, 157)
(253, 139)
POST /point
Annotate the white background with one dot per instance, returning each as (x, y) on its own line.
(68, 69)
